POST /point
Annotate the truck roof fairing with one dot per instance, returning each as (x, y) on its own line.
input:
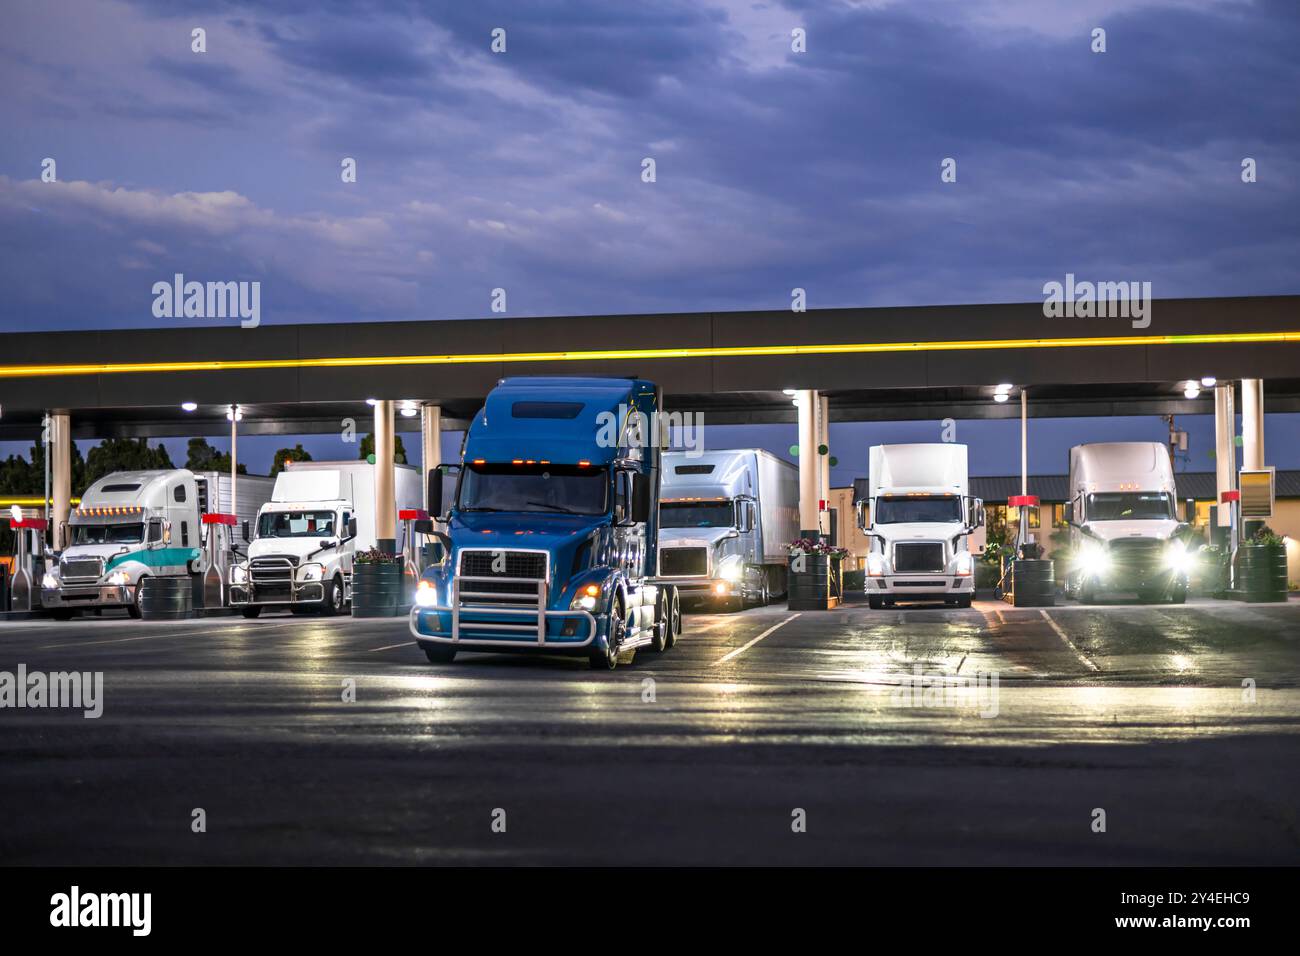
(578, 414)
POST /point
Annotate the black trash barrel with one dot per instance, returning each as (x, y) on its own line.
(1261, 573)
(377, 589)
(166, 599)
(1034, 583)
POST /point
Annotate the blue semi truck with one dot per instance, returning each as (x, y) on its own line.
(552, 531)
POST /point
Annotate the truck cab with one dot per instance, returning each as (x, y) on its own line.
(551, 536)
(919, 517)
(1125, 535)
(129, 526)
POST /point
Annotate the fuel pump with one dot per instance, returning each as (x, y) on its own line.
(29, 561)
(413, 557)
(1233, 501)
(217, 558)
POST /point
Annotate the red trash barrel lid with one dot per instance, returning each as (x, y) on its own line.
(412, 514)
(1023, 501)
(216, 518)
(1230, 496)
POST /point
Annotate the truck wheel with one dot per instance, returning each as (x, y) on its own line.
(252, 611)
(662, 626)
(133, 609)
(62, 614)
(766, 598)
(333, 603)
(1086, 594)
(439, 653)
(606, 658)
(963, 600)
(875, 602)
(674, 617)
(1179, 594)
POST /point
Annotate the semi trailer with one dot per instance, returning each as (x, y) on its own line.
(725, 518)
(131, 525)
(320, 514)
(919, 516)
(552, 534)
(1125, 536)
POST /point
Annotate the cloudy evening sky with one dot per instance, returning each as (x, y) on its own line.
(775, 169)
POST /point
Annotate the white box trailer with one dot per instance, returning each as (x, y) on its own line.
(725, 518)
(320, 514)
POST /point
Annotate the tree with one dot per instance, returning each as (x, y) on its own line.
(124, 454)
(296, 453)
(368, 448)
(200, 456)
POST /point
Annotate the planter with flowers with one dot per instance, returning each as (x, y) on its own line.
(378, 585)
(815, 575)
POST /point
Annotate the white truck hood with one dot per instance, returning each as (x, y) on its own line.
(84, 552)
(1112, 530)
(297, 547)
(921, 531)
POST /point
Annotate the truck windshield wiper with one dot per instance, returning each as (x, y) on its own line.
(484, 508)
(553, 507)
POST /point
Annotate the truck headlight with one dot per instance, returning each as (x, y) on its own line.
(964, 565)
(586, 598)
(426, 593)
(119, 579)
(875, 564)
(1177, 557)
(731, 568)
(311, 572)
(50, 581)
(239, 574)
(1094, 560)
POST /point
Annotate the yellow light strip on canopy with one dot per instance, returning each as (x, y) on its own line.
(581, 355)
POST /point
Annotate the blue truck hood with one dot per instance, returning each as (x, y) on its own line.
(559, 534)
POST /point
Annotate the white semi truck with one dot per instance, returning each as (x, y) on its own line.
(1124, 529)
(320, 514)
(725, 518)
(920, 515)
(134, 524)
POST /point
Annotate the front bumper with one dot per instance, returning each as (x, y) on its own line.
(919, 586)
(1133, 580)
(705, 589)
(473, 624)
(88, 595)
(305, 592)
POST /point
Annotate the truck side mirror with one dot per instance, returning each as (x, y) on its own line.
(860, 512)
(640, 497)
(433, 490)
(979, 513)
(352, 527)
(1189, 510)
(1069, 512)
(423, 526)
(245, 530)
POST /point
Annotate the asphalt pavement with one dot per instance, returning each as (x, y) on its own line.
(902, 736)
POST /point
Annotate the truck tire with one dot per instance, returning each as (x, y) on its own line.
(439, 653)
(662, 626)
(674, 616)
(875, 602)
(606, 658)
(62, 614)
(1178, 594)
(252, 611)
(333, 603)
(133, 609)
(963, 601)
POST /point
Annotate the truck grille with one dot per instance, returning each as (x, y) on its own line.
(913, 556)
(89, 569)
(1137, 553)
(518, 564)
(683, 562)
(271, 571)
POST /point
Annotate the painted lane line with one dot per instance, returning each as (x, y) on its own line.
(389, 647)
(1083, 659)
(744, 647)
(185, 632)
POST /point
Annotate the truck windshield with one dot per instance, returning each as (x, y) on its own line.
(1131, 506)
(558, 489)
(922, 509)
(296, 524)
(107, 533)
(697, 514)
